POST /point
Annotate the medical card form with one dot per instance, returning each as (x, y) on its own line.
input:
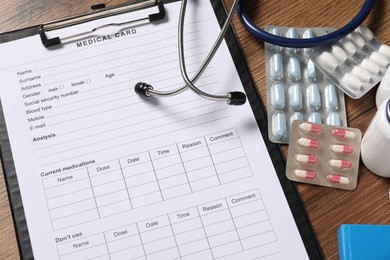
(106, 174)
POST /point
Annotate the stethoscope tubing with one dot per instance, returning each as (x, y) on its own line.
(238, 98)
(190, 82)
(304, 43)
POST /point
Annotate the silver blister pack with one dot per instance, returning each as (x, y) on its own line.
(296, 89)
(355, 63)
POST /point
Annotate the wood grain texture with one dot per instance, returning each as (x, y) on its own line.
(327, 208)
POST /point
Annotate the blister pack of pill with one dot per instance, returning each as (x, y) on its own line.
(296, 89)
(324, 155)
(355, 63)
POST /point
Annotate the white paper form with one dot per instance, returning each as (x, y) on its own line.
(106, 174)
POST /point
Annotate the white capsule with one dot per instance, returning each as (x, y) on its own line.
(294, 68)
(311, 70)
(276, 66)
(277, 96)
(279, 128)
(339, 53)
(296, 116)
(379, 59)
(351, 82)
(313, 97)
(329, 61)
(357, 39)
(295, 94)
(315, 118)
(333, 119)
(361, 73)
(370, 66)
(366, 32)
(384, 50)
(349, 47)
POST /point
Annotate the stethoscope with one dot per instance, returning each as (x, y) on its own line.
(237, 97)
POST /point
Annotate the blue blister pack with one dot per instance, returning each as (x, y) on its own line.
(296, 89)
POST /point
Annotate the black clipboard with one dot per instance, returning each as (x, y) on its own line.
(298, 211)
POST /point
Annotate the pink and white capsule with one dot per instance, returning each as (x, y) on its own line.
(310, 128)
(304, 174)
(342, 133)
(340, 164)
(334, 178)
(308, 143)
(306, 158)
(341, 149)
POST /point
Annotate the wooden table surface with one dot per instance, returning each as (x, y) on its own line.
(327, 208)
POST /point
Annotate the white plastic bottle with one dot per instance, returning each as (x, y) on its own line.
(383, 91)
(375, 147)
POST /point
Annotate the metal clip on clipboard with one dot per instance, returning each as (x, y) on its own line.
(99, 11)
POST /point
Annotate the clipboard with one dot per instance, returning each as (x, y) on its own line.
(99, 11)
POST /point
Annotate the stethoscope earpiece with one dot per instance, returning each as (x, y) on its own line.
(142, 89)
(236, 98)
